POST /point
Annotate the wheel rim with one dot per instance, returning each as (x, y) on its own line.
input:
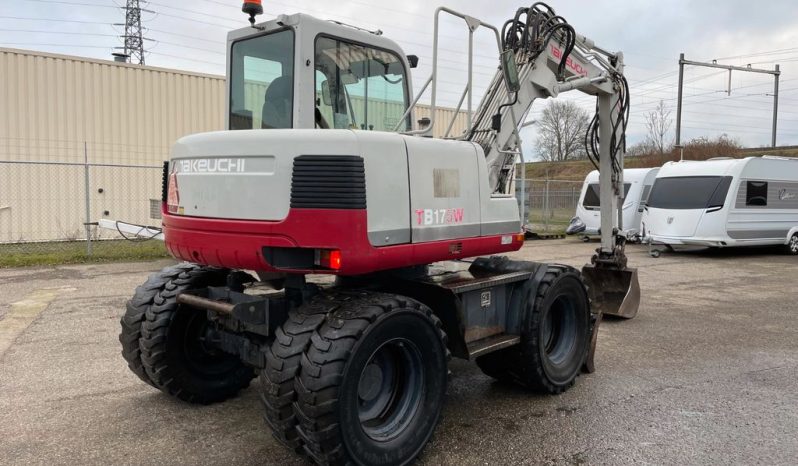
(794, 244)
(559, 330)
(390, 389)
(201, 357)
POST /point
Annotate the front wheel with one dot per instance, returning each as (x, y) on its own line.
(555, 336)
(372, 382)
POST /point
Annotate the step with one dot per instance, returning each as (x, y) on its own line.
(492, 343)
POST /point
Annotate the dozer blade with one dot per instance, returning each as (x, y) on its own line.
(614, 292)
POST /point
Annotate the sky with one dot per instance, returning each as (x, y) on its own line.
(190, 35)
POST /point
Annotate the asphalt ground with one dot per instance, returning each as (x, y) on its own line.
(706, 373)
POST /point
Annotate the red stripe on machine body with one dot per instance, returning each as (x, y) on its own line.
(239, 243)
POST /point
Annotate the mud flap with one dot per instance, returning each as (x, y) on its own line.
(614, 292)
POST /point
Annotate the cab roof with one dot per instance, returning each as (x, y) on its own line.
(298, 21)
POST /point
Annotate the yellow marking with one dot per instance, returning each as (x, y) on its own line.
(24, 312)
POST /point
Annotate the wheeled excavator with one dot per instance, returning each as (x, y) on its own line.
(338, 251)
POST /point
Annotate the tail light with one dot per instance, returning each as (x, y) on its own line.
(172, 195)
(329, 259)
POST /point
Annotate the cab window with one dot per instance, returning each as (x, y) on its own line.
(358, 87)
(262, 81)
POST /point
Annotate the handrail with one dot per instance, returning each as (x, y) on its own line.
(473, 24)
(413, 104)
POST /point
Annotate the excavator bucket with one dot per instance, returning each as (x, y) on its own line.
(612, 291)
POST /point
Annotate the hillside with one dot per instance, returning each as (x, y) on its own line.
(577, 170)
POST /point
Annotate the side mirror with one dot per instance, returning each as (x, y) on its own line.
(325, 93)
(412, 60)
(510, 71)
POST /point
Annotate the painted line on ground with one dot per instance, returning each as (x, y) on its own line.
(24, 312)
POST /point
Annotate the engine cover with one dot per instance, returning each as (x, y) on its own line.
(234, 193)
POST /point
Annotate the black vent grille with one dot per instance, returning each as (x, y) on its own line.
(328, 182)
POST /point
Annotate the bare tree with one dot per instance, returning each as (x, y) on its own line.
(561, 132)
(658, 124)
(640, 149)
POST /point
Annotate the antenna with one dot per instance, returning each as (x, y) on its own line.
(133, 36)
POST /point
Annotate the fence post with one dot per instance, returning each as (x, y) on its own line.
(546, 206)
(88, 202)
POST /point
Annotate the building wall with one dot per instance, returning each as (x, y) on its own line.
(65, 109)
(126, 113)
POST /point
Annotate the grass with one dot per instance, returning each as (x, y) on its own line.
(74, 252)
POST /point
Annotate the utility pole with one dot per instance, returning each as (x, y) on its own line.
(133, 37)
(714, 64)
(775, 106)
(679, 102)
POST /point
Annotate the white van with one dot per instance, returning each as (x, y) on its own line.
(637, 185)
(725, 202)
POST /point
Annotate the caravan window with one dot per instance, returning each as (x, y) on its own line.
(644, 197)
(756, 193)
(688, 192)
(593, 195)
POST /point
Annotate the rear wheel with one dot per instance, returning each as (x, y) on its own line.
(136, 311)
(792, 245)
(175, 352)
(555, 336)
(372, 382)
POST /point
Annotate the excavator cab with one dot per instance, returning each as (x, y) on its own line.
(360, 79)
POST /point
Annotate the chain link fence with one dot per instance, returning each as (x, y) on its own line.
(50, 204)
(550, 204)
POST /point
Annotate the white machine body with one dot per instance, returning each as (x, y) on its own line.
(247, 175)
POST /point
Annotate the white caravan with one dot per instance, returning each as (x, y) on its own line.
(725, 202)
(637, 185)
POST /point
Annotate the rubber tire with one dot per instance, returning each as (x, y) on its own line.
(283, 359)
(327, 383)
(135, 313)
(161, 342)
(789, 248)
(526, 364)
